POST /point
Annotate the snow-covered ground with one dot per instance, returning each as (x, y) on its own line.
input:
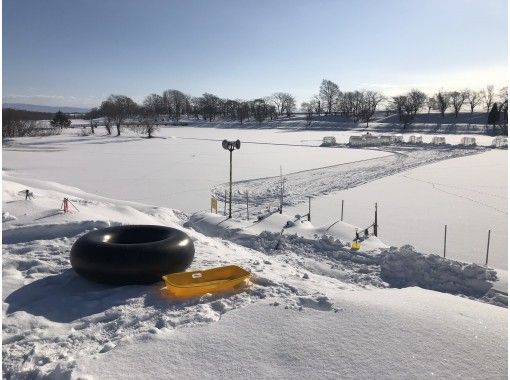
(384, 334)
(315, 308)
(56, 323)
(180, 169)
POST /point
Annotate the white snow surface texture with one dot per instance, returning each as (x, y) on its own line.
(314, 309)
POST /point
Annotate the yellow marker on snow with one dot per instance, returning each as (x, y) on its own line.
(355, 245)
(214, 204)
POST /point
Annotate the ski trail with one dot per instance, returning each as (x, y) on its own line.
(264, 192)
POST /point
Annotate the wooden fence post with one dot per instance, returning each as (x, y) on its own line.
(444, 246)
(488, 243)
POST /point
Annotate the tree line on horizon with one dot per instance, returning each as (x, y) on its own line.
(360, 106)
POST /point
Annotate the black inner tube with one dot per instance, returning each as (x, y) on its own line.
(138, 254)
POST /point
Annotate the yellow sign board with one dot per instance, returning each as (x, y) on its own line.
(214, 204)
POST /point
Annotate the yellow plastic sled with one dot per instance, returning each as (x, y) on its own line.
(355, 245)
(217, 280)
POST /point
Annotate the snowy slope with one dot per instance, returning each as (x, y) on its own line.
(56, 323)
(384, 334)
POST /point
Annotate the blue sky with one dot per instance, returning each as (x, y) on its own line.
(78, 52)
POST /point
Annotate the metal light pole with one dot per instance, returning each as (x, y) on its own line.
(230, 146)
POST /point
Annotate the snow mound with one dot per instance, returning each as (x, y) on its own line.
(6, 217)
(284, 226)
(403, 267)
(374, 265)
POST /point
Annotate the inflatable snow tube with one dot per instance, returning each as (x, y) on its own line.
(125, 255)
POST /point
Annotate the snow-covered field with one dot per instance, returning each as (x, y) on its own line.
(170, 171)
(315, 308)
(181, 169)
(468, 194)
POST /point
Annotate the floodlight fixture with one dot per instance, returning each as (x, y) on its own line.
(231, 145)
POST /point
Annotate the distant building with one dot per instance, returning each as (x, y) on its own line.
(356, 141)
(468, 141)
(385, 140)
(415, 139)
(328, 141)
(369, 139)
(438, 140)
(500, 142)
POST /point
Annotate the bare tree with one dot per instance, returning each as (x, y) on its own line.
(431, 103)
(289, 104)
(443, 101)
(278, 99)
(148, 121)
(107, 111)
(328, 93)
(417, 100)
(404, 107)
(458, 99)
(317, 104)
(368, 105)
(488, 97)
(474, 98)
(308, 108)
(209, 105)
(503, 108)
(243, 111)
(175, 103)
(122, 107)
(93, 114)
(503, 98)
(155, 104)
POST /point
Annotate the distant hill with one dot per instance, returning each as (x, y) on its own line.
(37, 108)
(12, 114)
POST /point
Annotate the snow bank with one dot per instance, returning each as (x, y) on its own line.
(403, 267)
(277, 227)
(396, 267)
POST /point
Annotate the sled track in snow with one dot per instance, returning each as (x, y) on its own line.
(264, 192)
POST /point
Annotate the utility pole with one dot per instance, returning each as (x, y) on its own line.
(230, 191)
(342, 217)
